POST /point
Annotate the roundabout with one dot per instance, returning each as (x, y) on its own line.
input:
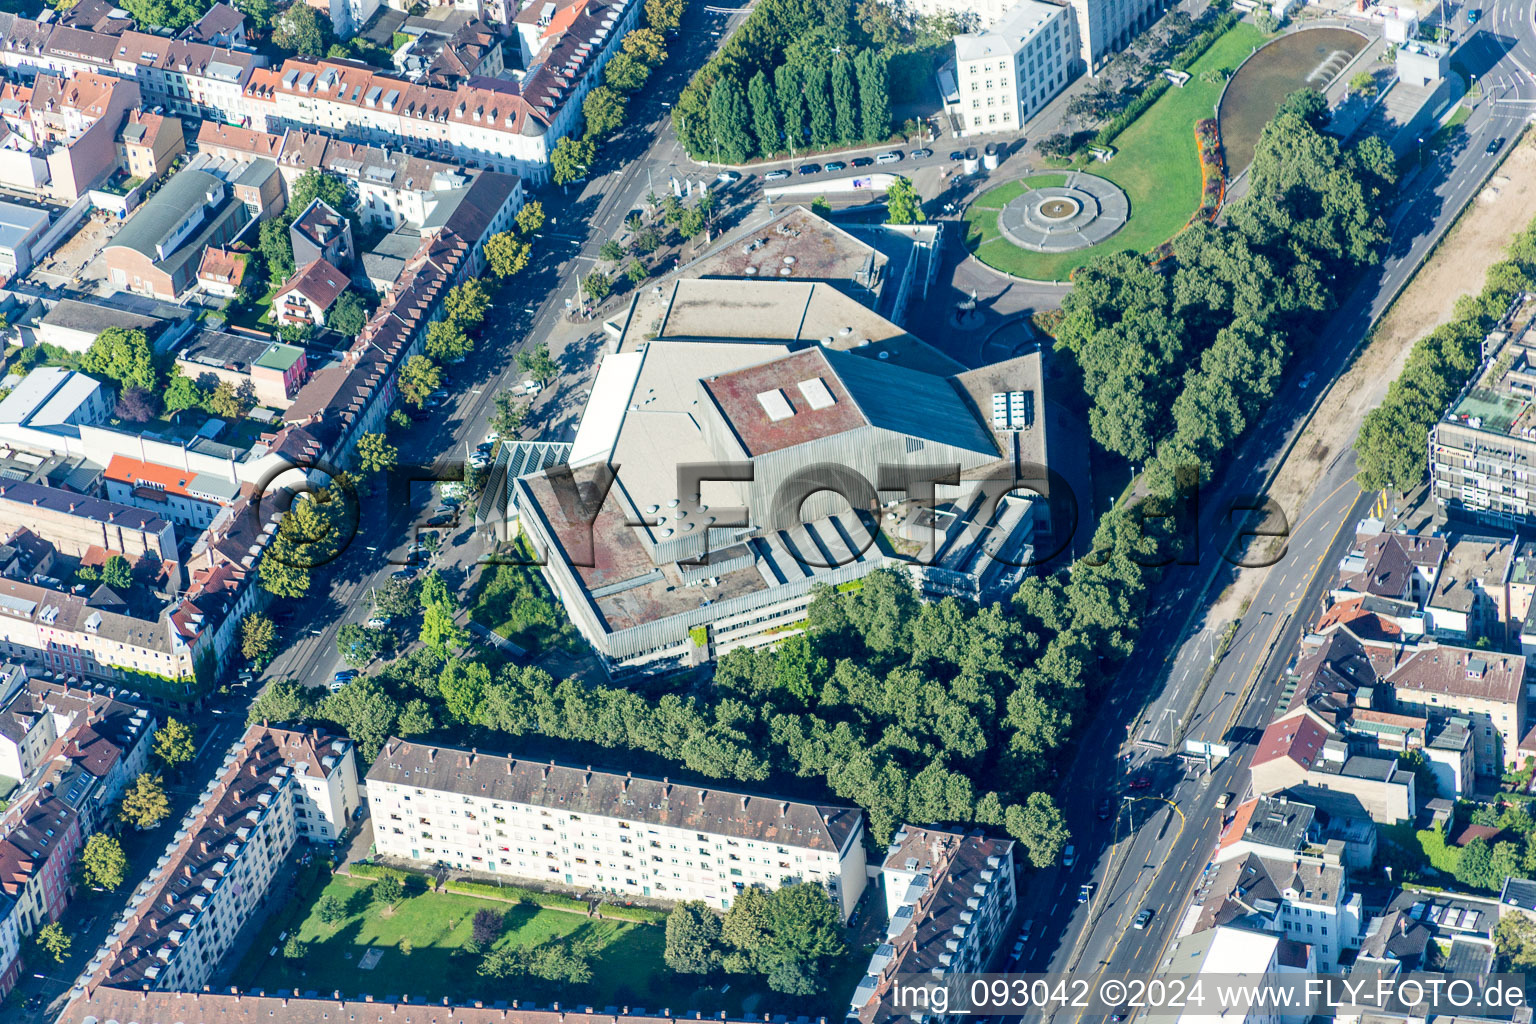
(1084, 210)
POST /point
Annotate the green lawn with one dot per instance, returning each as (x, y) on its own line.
(628, 971)
(1156, 163)
(255, 314)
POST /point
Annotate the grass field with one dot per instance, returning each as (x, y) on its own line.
(1156, 163)
(628, 970)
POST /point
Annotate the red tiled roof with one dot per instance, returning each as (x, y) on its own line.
(1298, 737)
(319, 282)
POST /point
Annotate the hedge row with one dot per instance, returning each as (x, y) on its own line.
(1196, 47)
(1139, 105)
(517, 894)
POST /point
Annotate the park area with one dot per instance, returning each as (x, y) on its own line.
(1156, 163)
(423, 947)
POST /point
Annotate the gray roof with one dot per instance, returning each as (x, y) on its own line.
(1519, 892)
(93, 317)
(18, 221)
(1281, 823)
(222, 349)
(716, 810)
(908, 402)
(164, 210)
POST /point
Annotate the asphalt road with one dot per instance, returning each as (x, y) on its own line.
(1177, 821)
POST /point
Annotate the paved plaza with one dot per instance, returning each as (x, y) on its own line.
(1084, 211)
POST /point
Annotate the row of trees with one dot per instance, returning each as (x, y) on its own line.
(1178, 356)
(790, 936)
(1394, 437)
(796, 74)
(641, 52)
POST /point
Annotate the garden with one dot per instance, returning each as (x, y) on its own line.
(1157, 164)
(361, 937)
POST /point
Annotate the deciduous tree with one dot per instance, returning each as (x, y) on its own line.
(102, 862)
(375, 454)
(145, 804)
(173, 743)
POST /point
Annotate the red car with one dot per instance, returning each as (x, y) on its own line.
(1141, 782)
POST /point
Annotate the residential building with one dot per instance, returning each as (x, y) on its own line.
(222, 25)
(20, 228)
(222, 272)
(347, 17)
(40, 837)
(325, 768)
(1470, 599)
(1484, 687)
(1300, 820)
(309, 294)
(274, 371)
(10, 945)
(320, 233)
(149, 143)
(1304, 897)
(1106, 26)
(1007, 73)
(786, 375)
(158, 251)
(75, 121)
(447, 53)
(1428, 930)
(1300, 749)
(949, 896)
(601, 830)
(217, 870)
(973, 14)
(53, 730)
(1480, 450)
(193, 500)
(1392, 566)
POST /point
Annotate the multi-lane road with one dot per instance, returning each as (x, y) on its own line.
(1227, 701)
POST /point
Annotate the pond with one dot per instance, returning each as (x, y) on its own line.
(1311, 57)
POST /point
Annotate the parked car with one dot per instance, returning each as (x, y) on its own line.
(442, 519)
(893, 157)
(810, 168)
(835, 165)
(727, 177)
(531, 387)
(1085, 892)
(1106, 808)
(378, 622)
(957, 154)
(1143, 918)
(921, 154)
(1474, 16)
(862, 161)
(404, 574)
(1069, 856)
(778, 175)
(491, 436)
(1141, 782)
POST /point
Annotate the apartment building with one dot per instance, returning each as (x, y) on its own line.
(1230, 951)
(1302, 896)
(274, 371)
(1429, 930)
(325, 769)
(40, 837)
(949, 898)
(1484, 687)
(149, 143)
(308, 295)
(601, 830)
(1301, 749)
(1481, 450)
(347, 17)
(10, 945)
(1007, 73)
(42, 721)
(217, 871)
(320, 233)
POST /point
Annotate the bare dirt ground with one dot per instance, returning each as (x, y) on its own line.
(1456, 268)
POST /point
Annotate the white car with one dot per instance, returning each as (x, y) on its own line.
(492, 437)
(378, 622)
(727, 177)
(531, 387)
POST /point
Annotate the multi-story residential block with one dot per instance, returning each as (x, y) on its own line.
(1428, 930)
(217, 872)
(222, 25)
(157, 252)
(1007, 73)
(327, 792)
(149, 143)
(43, 722)
(10, 945)
(1301, 749)
(1304, 897)
(972, 14)
(347, 17)
(76, 120)
(40, 837)
(320, 233)
(1471, 598)
(1481, 450)
(1281, 826)
(949, 897)
(601, 830)
(1231, 951)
